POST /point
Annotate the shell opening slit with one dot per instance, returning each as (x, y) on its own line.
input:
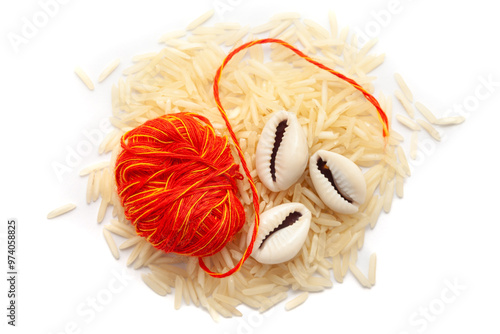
(280, 132)
(288, 221)
(325, 170)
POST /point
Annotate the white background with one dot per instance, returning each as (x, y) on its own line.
(446, 228)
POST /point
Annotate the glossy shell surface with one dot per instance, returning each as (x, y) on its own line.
(282, 232)
(282, 152)
(338, 181)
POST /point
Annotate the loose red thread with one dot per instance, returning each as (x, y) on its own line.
(177, 179)
(381, 114)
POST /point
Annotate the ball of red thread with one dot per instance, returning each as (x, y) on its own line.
(177, 183)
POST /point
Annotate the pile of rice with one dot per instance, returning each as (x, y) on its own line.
(334, 116)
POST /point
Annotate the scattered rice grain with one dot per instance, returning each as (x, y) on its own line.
(359, 275)
(405, 103)
(111, 244)
(414, 145)
(200, 20)
(61, 210)
(450, 120)
(430, 129)
(84, 77)
(296, 301)
(408, 122)
(426, 112)
(108, 70)
(372, 268)
(97, 166)
(404, 87)
(154, 285)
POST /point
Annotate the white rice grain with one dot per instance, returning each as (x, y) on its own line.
(285, 16)
(367, 47)
(414, 145)
(108, 70)
(200, 20)
(408, 122)
(172, 35)
(90, 182)
(119, 231)
(405, 103)
(261, 289)
(359, 275)
(296, 301)
(154, 285)
(376, 212)
(96, 185)
(111, 244)
(265, 27)
(399, 186)
(192, 292)
(404, 87)
(97, 166)
(388, 196)
(332, 18)
(179, 285)
(130, 242)
(316, 28)
(450, 120)
(372, 268)
(102, 210)
(403, 160)
(426, 112)
(84, 77)
(61, 210)
(275, 32)
(430, 129)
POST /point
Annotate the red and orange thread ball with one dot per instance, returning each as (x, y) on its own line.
(177, 182)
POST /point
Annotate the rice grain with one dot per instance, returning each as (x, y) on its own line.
(389, 195)
(359, 275)
(450, 120)
(102, 210)
(296, 301)
(403, 160)
(61, 210)
(179, 285)
(426, 112)
(332, 18)
(200, 20)
(399, 186)
(94, 167)
(111, 244)
(408, 122)
(404, 87)
(84, 77)
(414, 145)
(372, 269)
(430, 129)
(90, 182)
(154, 285)
(108, 70)
(405, 103)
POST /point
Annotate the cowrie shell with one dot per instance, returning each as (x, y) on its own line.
(282, 232)
(338, 181)
(281, 155)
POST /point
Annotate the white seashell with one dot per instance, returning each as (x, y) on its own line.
(338, 181)
(282, 232)
(282, 151)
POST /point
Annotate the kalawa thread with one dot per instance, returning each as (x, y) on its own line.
(176, 178)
